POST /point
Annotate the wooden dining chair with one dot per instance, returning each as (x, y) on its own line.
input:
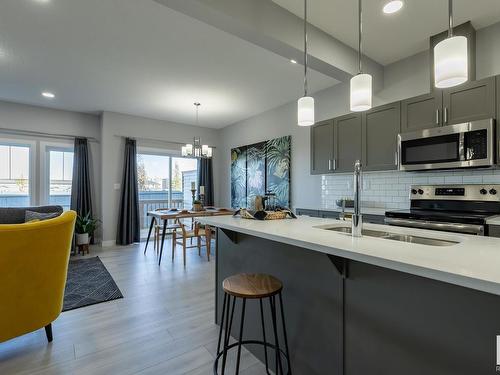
(195, 233)
(158, 231)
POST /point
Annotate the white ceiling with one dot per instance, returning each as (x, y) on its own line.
(140, 58)
(388, 38)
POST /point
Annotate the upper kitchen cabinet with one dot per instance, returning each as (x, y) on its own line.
(322, 147)
(347, 142)
(498, 113)
(421, 112)
(381, 126)
(468, 102)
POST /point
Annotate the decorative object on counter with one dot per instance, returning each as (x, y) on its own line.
(265, 215)
(196, 149)
(305, 105)
(259, 169)
(197, 206)
(259, 203)
(361, 83)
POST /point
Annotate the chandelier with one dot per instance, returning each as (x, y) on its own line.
(196, 149)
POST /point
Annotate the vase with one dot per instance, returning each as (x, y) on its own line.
(82, 238)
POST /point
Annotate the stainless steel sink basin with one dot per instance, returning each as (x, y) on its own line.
(396, 236)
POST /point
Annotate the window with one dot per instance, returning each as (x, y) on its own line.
(164, 182)
(15, 177)
(60, 176)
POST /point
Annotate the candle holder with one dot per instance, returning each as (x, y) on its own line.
(202, 200)
(193, 194)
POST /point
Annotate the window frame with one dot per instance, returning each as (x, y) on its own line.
(33, 150)
(45, 148)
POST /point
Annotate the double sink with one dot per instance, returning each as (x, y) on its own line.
(429, 241)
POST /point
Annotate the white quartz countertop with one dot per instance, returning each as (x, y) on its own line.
(473, 263)
(495, 220)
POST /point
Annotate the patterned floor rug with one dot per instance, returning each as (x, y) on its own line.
(88, 283)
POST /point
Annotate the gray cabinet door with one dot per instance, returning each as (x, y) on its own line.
(470, 101)
(381, 126)
(498, 114)
(421, 112)
(322, 147)
(347, 141)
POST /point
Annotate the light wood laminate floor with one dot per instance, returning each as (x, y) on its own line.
(163, 325)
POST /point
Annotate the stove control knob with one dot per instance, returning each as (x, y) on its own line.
(414, 191)
(420, 191)
(483, 191)
(493, 191)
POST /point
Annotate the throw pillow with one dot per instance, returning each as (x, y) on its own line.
(32, 215)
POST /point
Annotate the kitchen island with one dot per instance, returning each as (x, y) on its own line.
(371, 305)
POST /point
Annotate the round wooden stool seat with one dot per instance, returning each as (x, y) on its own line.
(252, 285)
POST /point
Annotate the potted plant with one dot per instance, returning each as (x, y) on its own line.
(197, 205)
(85, 226)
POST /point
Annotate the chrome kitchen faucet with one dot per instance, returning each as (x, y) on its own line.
(357, 220)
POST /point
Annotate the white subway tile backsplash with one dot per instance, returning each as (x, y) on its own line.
(390, 190)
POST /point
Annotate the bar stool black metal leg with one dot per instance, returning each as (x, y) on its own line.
(285, 335)
(241, 335)
(221, 323)
(264, 335)
(229, 325)
(153, 221)
(272, 302)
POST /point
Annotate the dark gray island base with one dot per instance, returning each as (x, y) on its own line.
(373, 321)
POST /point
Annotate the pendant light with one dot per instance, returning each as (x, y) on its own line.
(361, 83)
(450, 57)
(196, 149)
(305, 105)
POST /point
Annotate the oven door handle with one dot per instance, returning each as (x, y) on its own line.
(436, 225)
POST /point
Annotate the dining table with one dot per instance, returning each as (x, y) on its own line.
(159, 216)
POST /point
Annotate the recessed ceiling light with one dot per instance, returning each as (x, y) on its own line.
(393, 6)
(293, 61)
(48, 95)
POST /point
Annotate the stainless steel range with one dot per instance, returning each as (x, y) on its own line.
(452, 208)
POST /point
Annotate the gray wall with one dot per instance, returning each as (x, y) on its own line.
(113, 127)
(402, 79)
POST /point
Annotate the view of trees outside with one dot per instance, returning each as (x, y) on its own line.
(153, 172)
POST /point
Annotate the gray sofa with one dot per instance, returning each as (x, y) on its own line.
(15, 215)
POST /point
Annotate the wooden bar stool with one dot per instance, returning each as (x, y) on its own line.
(252, 286)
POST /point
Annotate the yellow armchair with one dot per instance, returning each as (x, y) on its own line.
(33, 268)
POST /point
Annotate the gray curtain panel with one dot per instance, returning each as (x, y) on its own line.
(128, 219)
(81, 186)
(81, 194)
(205, 178)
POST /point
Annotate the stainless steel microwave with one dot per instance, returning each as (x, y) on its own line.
(466, 145)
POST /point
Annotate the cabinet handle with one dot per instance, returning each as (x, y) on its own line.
(329, 164)
(334, 164)
(437, 116)
(445, 115)
(396, 158)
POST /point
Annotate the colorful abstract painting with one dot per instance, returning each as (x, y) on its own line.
(278, 169)
(256, 172)
(238, 177)
(259, 169)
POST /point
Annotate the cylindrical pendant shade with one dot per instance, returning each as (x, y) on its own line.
(361, 92)
(305, 111)
(451, 62)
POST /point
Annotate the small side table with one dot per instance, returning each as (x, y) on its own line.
(83, 248)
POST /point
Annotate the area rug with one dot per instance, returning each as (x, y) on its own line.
(88, 283)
